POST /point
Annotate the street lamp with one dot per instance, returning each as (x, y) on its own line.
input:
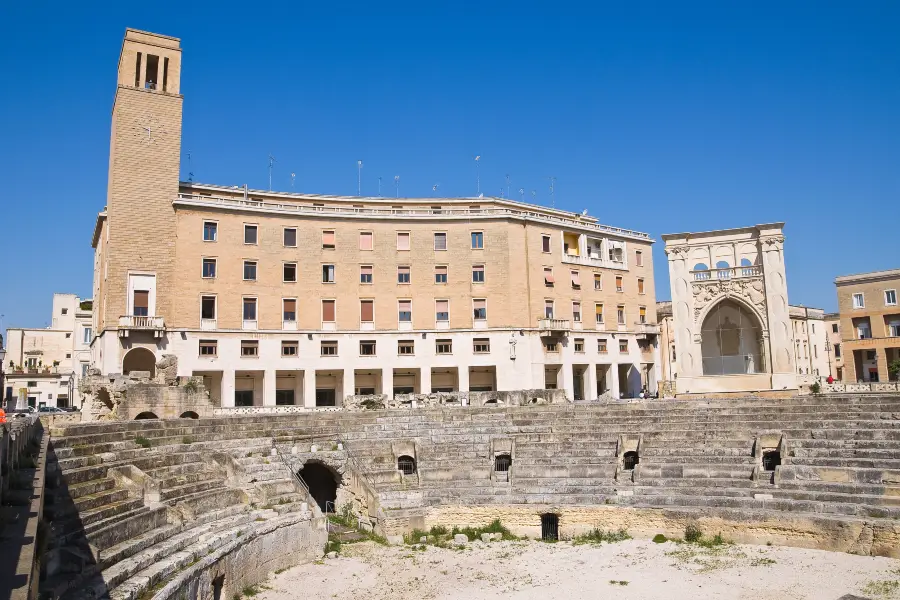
(2, 358)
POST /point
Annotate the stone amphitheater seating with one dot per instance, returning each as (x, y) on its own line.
(128, 518)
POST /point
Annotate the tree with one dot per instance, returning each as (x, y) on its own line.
(894, 369)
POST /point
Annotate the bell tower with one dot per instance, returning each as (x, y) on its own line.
(144, 162)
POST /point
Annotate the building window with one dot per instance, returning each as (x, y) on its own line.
(87, 334)
(478, 274)
(576, 311)
(642, 314)
(207, 307)
(249, 270)
(598, 281)
(365, 274)
(406, 465)
(579, 344)
(404, 308)
(623, 346)
(481, 345)
(443, 346)
(329, 348)
(442, 310)
(141, 304)
(403, 240)
(32, 384)
(328, 311)
(403, 275)
(863, 331)
(284, 397)
(545, 243)
(639, 258)
(620, 315)
(406, 347)
(548, 276)
(859, 301)
(209, 348)
(210, 231)
(834, 328)
(480, 309)
(890, 297)
(551, 346)
(249, 309)
(640, 285)
(289, 348)
(477, 240)
(209, 268)
(250, 234)
(243, 397)
(290, 237)
(250, 348)
(366, 240)
(290, 272)
(367, 348)
(598, 313)
(328, 239)
(440, 274)
(440, 241)
(837, 351)
(620, 283)
(548, 309)
(327, 273)
(289, 309)
(894, 328)
(366, 311)
(576, 280)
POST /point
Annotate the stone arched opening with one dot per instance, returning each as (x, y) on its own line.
(189, 415)
(731, 339)
(630, 460)
(139, 359)
(323, 482)
(550, 526)
(103, 396)
(771, 459)
(145, 415)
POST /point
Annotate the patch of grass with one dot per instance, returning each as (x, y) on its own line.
(692, 533)
(618, 582)
(438, 530)
(280, 571)
(660, 539)
(333, 545)
(761, 562)
(142, 442)
(474, 533)
(259, 519)
(187, 440)
(886, 588)
(598, 536)
(250, 591)
(717, 540)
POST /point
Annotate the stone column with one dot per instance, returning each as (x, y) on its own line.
(613, 380)
(348, 386)
(309, 387)
(590, 382)
(298, 387)
(564, 381)
(425, 380)
(269, 388)
(227, 388)
(387, 382)
(462, 378)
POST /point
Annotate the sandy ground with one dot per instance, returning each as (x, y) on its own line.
(629, 570)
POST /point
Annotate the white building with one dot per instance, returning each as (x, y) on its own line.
(43, 366)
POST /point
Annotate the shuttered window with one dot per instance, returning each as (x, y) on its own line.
(598, 312)
(365, 274)
(366, 311)
(576, 280)
(403, 240)
(480, 309)
(440, 241)
(328, 239)
(328, 311)
(405, 310)
(366, 240)
(442, 310)
(141, 303)
(290, 310)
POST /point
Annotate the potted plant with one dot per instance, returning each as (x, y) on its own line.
(55, 366)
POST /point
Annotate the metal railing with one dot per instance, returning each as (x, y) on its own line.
(727, 273)
(422, 212)
(295, 477)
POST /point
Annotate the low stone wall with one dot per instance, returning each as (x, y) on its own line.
(857, 536)
(250, 559)
(510, 398)
(854, 388)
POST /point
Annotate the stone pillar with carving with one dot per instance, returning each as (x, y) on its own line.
(687, 340)
(780, 355)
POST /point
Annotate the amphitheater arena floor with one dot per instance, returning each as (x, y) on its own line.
(634, 569)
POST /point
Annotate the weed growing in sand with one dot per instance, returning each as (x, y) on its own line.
(761, 562)
(598, 536)
(618, 582)
(887, 588)
(660, 539)
(692, 533)
(142, 442)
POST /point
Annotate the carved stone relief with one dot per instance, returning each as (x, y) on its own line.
(709, 292)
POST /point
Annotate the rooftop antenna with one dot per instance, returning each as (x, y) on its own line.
(477, 176)
(435, 187)
(534, 196)
(507, 185)
(552, 195)
(379, 187)
(397, 185)
(293, 176)
(359, 178)
(190, 169)
(271, 163)
(522, 194)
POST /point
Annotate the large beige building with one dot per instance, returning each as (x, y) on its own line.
(834, 346)
(294, 299)
(869, 325)
(43, 366)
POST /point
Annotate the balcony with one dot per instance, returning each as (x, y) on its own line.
(129, 323)
(645, 329)
(553, 326)
(728, 273)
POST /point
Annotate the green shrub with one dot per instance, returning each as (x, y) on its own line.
(692, 533)
(660, 539)
(815, 388)
(142, 442)
(438, 530)
(598, 536)
(187, 440)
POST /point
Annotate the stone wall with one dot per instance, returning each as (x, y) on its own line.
(511, 398)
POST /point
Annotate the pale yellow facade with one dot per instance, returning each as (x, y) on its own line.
(279, 298)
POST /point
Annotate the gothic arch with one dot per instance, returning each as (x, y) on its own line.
(732, 340)
(139, 359)
(704, 312)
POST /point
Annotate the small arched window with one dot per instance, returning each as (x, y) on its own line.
(502, 463)
(629, 460)
(406, 465)
(745, 262)
(722, 264)
(701, 267)
(146, 415)
(771, 459)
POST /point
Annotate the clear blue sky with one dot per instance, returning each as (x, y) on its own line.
(671, 117)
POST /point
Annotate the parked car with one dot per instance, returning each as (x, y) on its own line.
(50, 409)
